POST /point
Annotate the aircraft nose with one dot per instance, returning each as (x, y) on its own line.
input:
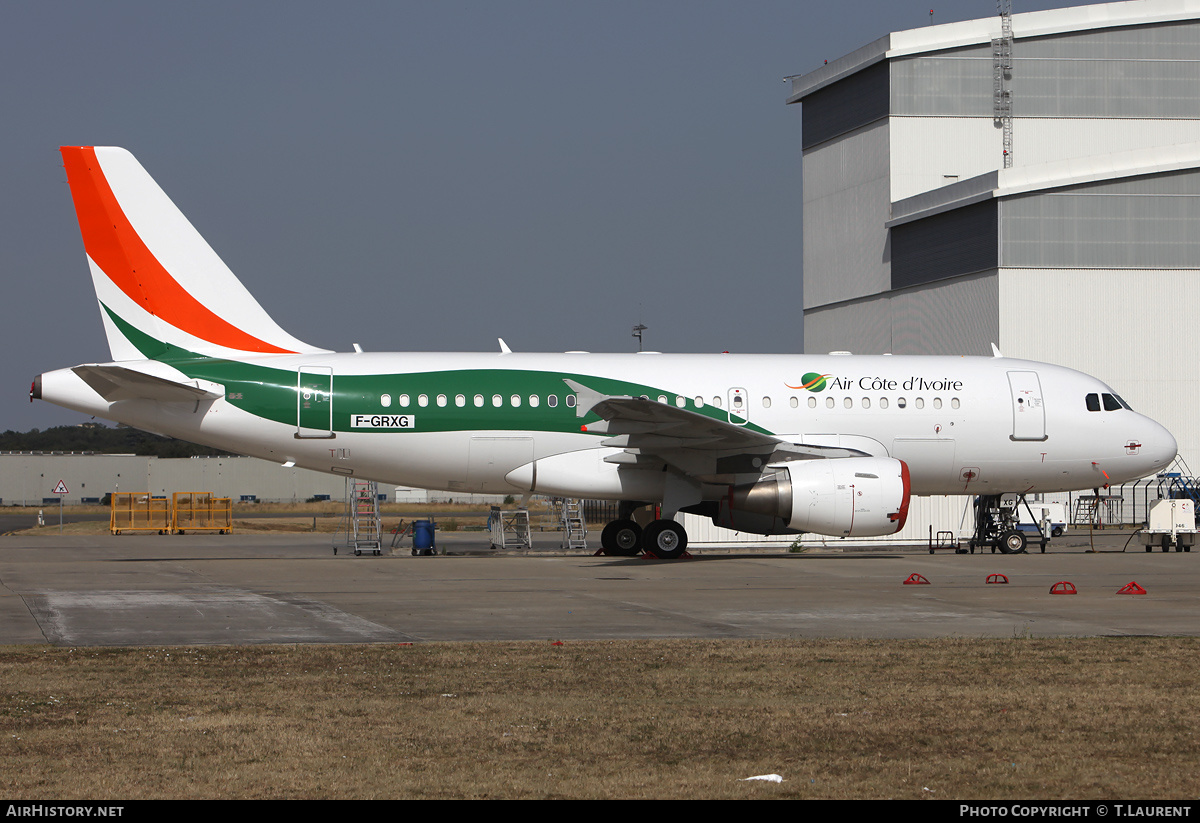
(1158, 446)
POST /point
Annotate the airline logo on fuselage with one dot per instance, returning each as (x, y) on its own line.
(383, 421)
(812, 382)
(819, 382)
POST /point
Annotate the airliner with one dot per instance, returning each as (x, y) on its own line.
(831, 444)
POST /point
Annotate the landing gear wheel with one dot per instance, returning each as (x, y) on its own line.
(1013, 542)
(621, 538)
(665, 539)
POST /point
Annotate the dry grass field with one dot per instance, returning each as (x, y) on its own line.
(1107, 718)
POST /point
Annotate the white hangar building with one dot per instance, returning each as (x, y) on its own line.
(1030, 181)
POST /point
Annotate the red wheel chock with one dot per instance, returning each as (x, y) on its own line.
(1131, 588)
(996, 578)
(1063, 587)
(916, 579)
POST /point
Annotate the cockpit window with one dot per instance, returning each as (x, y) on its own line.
(1110, 402)
(1124, 403)
(1093, 402)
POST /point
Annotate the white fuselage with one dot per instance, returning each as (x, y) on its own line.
(962, 424)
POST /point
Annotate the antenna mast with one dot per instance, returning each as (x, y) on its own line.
(1002, 78)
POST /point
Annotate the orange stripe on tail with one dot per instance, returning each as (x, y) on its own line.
(115, 246)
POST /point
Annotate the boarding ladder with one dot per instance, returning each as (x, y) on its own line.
(510, 530)
(365, 527)
(574, 529)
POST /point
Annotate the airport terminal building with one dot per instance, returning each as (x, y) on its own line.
(1030, 181)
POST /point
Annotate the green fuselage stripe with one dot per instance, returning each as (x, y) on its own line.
(270, 392)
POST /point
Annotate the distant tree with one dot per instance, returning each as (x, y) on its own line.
(102, 439)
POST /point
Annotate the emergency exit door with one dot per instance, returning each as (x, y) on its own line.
(314, 402)
(1029, 415)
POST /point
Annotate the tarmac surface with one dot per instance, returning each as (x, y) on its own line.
(136, 590)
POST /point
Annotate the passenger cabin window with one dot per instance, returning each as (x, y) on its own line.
(552, 401)
(572, 400)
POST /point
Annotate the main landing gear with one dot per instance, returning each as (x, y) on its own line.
(664, 539)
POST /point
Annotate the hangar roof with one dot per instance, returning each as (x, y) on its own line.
(973, 32)
(1025, 179)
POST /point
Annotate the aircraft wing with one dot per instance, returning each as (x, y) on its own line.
(653, 434)
(115, 383)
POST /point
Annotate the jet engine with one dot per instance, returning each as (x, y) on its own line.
(841, 497)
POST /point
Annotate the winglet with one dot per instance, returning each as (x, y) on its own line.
(504, 349)
(996, 351)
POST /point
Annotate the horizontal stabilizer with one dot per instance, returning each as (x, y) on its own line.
(115, 383)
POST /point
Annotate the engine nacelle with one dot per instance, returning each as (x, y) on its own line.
(844, 497)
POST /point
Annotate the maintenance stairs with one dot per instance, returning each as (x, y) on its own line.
(510, 530)
(571, 523)
(1179, 483)
(363, 530)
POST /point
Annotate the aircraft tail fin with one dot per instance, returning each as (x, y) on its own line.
(160, 285)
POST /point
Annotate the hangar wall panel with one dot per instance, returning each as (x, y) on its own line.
(846, 105)
(845, 203)
(1131, 223)
(930, 152)
(27, 478)
(950, 317)
(1126, 327)
(927, 152)
(1048, 140)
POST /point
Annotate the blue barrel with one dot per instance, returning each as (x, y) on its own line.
(423, 534)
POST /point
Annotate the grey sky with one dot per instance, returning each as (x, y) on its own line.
(433, 175)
